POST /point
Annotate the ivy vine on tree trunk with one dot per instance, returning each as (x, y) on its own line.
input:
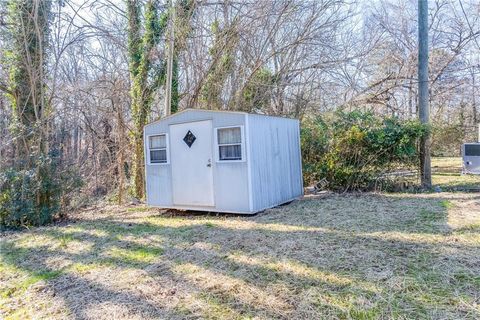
(140, 46)
(147, 75)
(29, 21)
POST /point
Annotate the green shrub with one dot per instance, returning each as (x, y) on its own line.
(355, 150)
(33, 194)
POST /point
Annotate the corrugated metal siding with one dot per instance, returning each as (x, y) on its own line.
(230, 179)
(276, 167)
(158, 184)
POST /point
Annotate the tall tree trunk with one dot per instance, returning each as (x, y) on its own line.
(423, 94)
(121, 149)
(135, 57)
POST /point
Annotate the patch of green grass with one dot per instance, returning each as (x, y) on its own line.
(44, 275)
(135, 256)
(11, 261)
(12, 254)
(430, 216)
(364, 313)
(266, 275)
(65, 239)
(144, 228)
(115, 228)
(184, 233)
(216, 307)
(447, 204)
(209, 225)
(83, 267)
(30, 279)
(138, 209)
(463, 279)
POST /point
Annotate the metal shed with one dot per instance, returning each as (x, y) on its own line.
(222, 161)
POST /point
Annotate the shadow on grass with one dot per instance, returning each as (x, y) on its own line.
(368, 213)
(361, 257)
(454, 182)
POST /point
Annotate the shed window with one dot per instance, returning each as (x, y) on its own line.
(229, 144)
(158, 149)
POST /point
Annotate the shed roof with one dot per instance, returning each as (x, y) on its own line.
(212, 111)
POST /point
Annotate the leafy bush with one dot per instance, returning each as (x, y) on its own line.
(32, 195)
(354, 151)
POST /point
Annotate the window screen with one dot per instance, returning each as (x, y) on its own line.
(230, 144)
(472, 150)
(158, 149)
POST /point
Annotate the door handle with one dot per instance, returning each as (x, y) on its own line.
(209, 164)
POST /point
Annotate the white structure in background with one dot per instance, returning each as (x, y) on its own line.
(471, 158)
(222, 161)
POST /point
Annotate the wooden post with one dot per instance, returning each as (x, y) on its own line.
(423, 99)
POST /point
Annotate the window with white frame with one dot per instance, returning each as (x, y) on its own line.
(158, 148)
(229, 144)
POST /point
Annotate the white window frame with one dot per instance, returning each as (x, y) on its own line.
(242, 143)
(167, 149)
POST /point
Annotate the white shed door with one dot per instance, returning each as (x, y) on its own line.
(191, 159)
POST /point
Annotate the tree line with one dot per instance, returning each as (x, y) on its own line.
(79, 79)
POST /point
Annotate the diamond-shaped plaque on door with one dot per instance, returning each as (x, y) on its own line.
(189, 138)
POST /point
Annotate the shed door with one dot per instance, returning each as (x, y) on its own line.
(191, 159)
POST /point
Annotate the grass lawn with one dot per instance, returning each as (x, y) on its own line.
(446, 173)
(370, 256)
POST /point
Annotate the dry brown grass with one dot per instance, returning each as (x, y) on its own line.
(447, 174)
(369, 256)
(447, 164)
